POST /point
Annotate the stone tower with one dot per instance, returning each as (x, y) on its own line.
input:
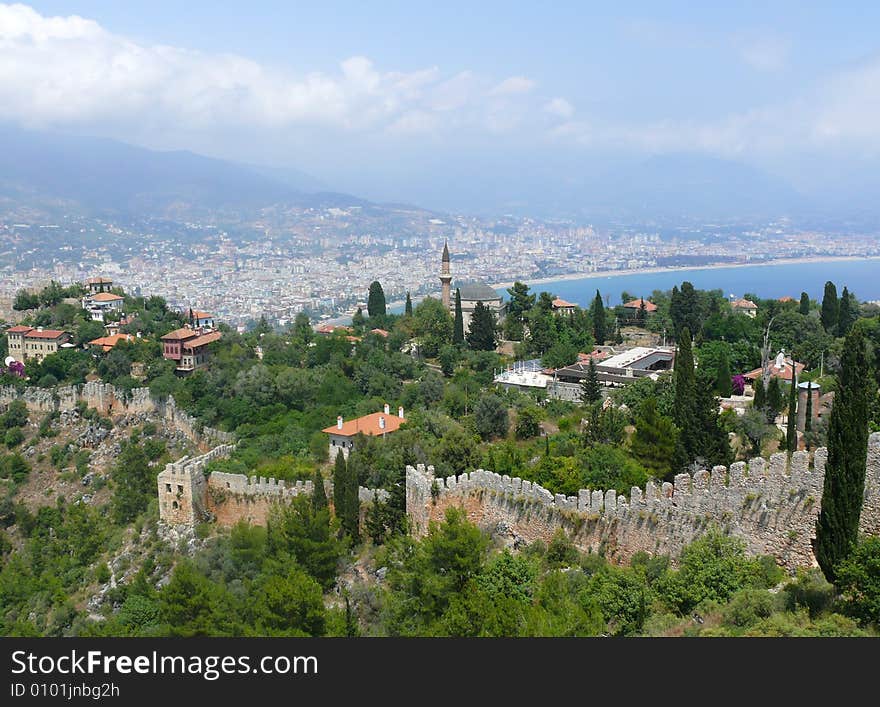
(445, 277)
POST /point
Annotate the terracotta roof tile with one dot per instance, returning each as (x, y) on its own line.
(368, 425)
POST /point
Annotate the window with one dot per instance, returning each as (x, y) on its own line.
(175, 505)
(179, 488)
(167, 488)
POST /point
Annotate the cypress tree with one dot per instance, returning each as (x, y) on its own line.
(375, 521)
(791, 428)
(846, 314)
(830, 307)
(458, 325)
(319, 493)
(351, 505)
(376, 300)
(407, 310)
(591, 391)
(774, 400)
(481, 332)
(339, 480)
(805, 304)
(808, 417)
(844, 487)
(600, 325)
(724, 384)
(760, 400)
(684, 409)
(709, 440)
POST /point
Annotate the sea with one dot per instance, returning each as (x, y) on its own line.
(862, 277)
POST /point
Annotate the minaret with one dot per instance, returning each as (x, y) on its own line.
(445, 277)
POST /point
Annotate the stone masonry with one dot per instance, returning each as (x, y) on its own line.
(772, 506)
(187, 496)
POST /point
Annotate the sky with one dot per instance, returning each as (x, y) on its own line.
(448, 103)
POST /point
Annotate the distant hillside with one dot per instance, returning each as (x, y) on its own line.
(100, 176)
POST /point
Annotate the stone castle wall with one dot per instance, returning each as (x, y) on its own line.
(187, 496)
(772, 506)
(104, 398)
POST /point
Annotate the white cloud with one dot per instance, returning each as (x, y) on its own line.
(560, 108)
(512, 86)
(69, 71)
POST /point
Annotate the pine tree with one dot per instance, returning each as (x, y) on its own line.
(374, 523)
(340, 477)
(846, 313)
(358, 320)
(653, 442)
(591, 390)
(791, 427)
(724, 383)
(458, 325)
(843, 491)
(407, 310)
(830, 307)
(805, 304)
(710, 441)
(600, 325)
(319, 493)
(376, 300)
(481, 332)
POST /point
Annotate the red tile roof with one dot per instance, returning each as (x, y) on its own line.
(181, 334)
(637, 304)
(743, 304)
(380, 332)
(560, 303)
(108, 342)
(368, 425)
(106, 297)
(202, 340)
(19, 328)
(783, 374)
(46, 334)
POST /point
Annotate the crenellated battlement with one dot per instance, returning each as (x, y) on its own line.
(771, 504)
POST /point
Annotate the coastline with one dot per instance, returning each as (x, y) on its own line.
(689, 268)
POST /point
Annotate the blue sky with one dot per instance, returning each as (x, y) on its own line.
(393, 99)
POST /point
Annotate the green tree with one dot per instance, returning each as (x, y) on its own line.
(481, 331)
(134, 483)
(458, 324)
(288, 604)
(432, 325)
(600, 323)
(301, 532)
(844, 486)
(775, 400)
(654, 439)
(723, 382)
(804, 307)
(830, 307)
(528, 423)
(791, 426)
(408, 308)
(808, 417)
(24, 300)
(358, 320)
(319, 493)
(340, 478)
(847, 313)
(684, 408)
(351, 504)
(376, 300)
(591, 389)
(490, 416)
(520, 300)
(858, 580)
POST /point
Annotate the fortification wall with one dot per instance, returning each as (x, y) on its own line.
(187, 496)
(104, 398)
(771, 505)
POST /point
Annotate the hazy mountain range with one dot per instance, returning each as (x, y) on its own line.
(98, 176)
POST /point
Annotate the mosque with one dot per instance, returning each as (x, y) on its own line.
(472, 291)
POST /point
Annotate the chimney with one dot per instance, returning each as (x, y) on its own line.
(400, 412)
(381, 422)
(339, 422)
(387, 409)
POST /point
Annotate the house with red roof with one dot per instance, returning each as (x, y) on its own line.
(34, 343)
(636, 305)
(560, 306)
(343, 433)
(188, 347)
